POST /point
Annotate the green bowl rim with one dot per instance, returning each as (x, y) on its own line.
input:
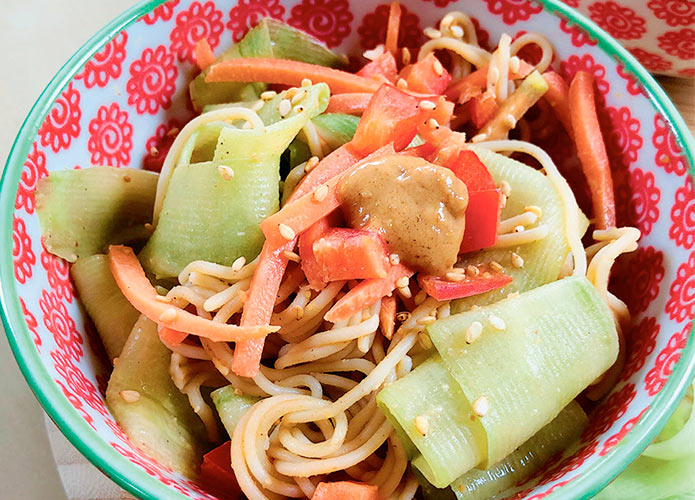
(140, 483)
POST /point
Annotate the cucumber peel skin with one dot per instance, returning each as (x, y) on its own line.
(557, 340)
(161, 422)
(543, 259)
(83, 211)
(231, 406)
(110, 311)
(336, 128)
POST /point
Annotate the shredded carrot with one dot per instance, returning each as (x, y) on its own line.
(392, 28)
(204, 56)
(171, 337)
(345, 490)
(135, 286)
(591, 149)
(287, 72)
(387, 316)
(350, 104)
(558, 97)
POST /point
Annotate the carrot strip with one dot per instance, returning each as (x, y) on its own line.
(591, 149)
(172, 337)
(387, 316)
(366, 293)
(204, 56)
(287, 72)
(392, 28)
(132, 281)
(558, 97)
(350, 104)
(345, 490)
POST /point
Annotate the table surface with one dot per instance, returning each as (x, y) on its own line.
(26, 437)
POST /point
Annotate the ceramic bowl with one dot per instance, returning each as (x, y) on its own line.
(121, 92)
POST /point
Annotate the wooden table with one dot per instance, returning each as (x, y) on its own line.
(682, 93)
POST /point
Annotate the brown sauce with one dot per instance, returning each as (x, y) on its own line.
(419, 208)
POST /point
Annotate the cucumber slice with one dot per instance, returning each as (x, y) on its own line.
(543, 259)
(161, 422)
(556, 340)
(231, 406)
(294, 44)
(111, 313)
(520, 465)
(83, 211)
(336, 128)
(453, 441)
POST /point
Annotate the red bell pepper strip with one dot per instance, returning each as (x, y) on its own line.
(441, 289)
(311, 268)
(483, 108)
(473, 172)
(482, 220)
(346, 490)
(348, 254)
(349, 104)
(558, 97)
(475, 83)
(383, 68)
(366, 293)
(216, 474)
(591, 149)
(426, 76)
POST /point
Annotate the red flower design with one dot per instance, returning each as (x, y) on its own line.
(681, 302)
(679, 43)
(247, 13)
(77, 382)
(149, 465)
(110, 137)
(531, 53)
(58, 272)
(586, 63)
(152, 80)
(621, 22)
(687, 72)
(441, 3)
(617, 437)
(651, 61)
(636, 277)
(674, 12)
(641, 341)
(613, 408)
(22, 254)
(31, 322)
(579, 37)
(327, 20)
(106, 63)
(567, 465)
(666, 360)
(199, 21)
(61, 325)
(523, 494)
(682, 230)
(513, 10)
(62, 124)
(77, 404)
(637, 199)
(482, 35)
(572, 3)
(163, 12)
(633, 87)
(372, 31)
(623, 141)
(158, 145)
(34, 169)
(668, 152)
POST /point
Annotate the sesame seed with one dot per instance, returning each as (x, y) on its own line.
(405, 292)
(374, 53)
(298, 96)
(149, 226)
(481, 406)
(479, 138)
(238, 391)
(163, 298)
(496, 266)
(514, 64)
(438, 68)
(510, 121)
(475, 307)
(257, 105)
(403, 316)
(534, 210)
(299, 109)
(311, 163)
(168, 315)
(268, 95)
(126, 178)
(238, 264)
(426, 320)
(422, 425)
(115, 361)
(173, 131)
(420, 297)
(130, 396)
(456, 31)
(497, 322)
(320, 193)
(306, 82)
(428, 105)
(298, 312)
(519, 229)
(405, 56)
(289, 255)
(433, 124)
(473, 332)
(455, 276)
(284, 107)
(493, 74)
(432, 33)
(226, 172)
(401, 84)
(472, 270)
(402, 282)
(425, 341)
(154, 151)
(503, 200)
(506, 188)
(512, 295)
(394, 259)
(286, 231)
(290, 93)
(517, 260)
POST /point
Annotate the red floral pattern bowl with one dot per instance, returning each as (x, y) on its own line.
(121, 93)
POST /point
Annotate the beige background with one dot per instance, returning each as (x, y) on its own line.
(37, 37)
